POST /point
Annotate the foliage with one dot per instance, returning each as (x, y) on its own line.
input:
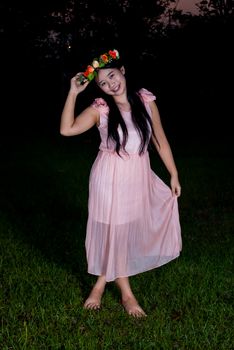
(57, 28)
(220, 8)
(63, 30)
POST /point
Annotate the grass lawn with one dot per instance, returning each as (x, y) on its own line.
(43, 271)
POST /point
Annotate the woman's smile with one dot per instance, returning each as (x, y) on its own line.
(115, 88)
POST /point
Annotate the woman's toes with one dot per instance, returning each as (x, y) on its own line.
(133, 308)
(138, 313)
(93, 302)
(91, 305)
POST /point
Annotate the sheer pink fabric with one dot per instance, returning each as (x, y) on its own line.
(133, 223)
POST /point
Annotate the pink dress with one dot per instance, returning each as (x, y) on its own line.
(133, 222)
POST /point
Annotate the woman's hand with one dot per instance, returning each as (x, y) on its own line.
(175, 186)
(76, 86)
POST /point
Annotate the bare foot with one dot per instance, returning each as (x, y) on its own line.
(133, 308)
(93, 302)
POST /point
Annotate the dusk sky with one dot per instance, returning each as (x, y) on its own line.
(188, 6)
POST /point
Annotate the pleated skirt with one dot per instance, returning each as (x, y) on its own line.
(133, 219)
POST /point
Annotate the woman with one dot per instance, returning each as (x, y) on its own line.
(133, 223)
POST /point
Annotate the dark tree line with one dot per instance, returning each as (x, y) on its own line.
(186, 59)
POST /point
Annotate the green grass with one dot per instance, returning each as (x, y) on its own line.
(43, 278)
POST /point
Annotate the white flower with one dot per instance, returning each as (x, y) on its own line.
(95, 64)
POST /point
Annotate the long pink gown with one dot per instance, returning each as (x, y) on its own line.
(133, 222)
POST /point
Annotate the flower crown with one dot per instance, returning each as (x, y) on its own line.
(102, 61)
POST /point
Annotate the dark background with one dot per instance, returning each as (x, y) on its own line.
(187, 61)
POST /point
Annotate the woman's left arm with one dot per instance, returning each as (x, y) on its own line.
(163, 147)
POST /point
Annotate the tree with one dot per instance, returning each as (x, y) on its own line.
(59, 27)
(220, 8)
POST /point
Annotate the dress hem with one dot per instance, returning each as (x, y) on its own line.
(136, 273)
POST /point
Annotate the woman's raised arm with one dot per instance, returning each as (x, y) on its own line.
(71, 125)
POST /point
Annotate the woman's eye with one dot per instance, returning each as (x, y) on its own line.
(112, 75)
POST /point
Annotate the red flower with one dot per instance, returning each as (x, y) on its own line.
(112, 54)
(89, 70)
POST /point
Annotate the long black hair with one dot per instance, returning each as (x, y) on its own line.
(140, 116)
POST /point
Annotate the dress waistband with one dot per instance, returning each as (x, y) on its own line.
(122, 154)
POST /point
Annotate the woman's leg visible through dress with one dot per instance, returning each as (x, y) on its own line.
(129, 301)
(93, 302)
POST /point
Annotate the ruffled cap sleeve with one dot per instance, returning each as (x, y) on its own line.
(146, 95)
(100, 105)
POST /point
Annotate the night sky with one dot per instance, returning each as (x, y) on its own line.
(188, 5)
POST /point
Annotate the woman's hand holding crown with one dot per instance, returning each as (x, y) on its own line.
(76, 86)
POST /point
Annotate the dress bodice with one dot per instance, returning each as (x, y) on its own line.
(134, 140)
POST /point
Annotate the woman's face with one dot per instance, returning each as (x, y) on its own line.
(112, 81)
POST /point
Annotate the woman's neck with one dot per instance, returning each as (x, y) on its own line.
(122, 103)
(124, 106)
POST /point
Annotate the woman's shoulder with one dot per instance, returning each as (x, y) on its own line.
(100, 105)
(146, 95)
